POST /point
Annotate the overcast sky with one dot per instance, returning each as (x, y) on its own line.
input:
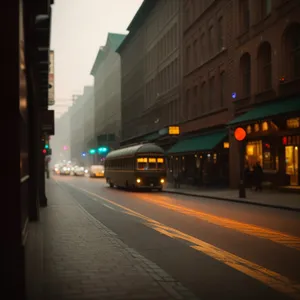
(79, 28)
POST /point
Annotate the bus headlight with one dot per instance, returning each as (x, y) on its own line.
(162, 181)
(138, 180)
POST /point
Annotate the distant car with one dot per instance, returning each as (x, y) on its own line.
(78, 171)
(97, 171)
(65, 170)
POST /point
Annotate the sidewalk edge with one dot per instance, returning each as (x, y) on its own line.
(234, 200)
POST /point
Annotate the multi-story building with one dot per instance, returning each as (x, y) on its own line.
(107, 93)
(151, 69)
(77, 146)
(208, 59)
(88, 117)
(60, 143)
(267, 87)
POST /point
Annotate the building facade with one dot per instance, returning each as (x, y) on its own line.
(201, 154)
(267, 77)
(60, 143)
(151, 68)
(107, 94)
(77, 146)
(25, 55)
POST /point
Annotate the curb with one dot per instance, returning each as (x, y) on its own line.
(234, 200)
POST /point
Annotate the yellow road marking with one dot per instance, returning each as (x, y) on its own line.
(272, 279)
(253, 230)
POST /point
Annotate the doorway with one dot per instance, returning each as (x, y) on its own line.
(292, 164)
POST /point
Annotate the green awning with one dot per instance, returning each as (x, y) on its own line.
(151, 137)
(203, 142)
(269, 110)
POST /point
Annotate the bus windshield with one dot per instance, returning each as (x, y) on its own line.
(151, 163)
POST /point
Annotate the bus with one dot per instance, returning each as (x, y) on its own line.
(136, 167)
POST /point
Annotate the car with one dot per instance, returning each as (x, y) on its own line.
(96, 171)
(78, 171)
(65, 170)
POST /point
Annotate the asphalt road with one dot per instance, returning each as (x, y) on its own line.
(219, 250)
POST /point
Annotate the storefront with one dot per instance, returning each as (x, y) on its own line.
(202, 159)
(273, 140)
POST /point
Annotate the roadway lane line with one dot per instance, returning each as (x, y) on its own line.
(272, 279)
(249, 229)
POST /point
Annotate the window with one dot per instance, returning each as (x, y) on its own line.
(266, 7)
(254, 153)
(142, 163)
(152, 163)
(220, 34)
(270, 157)
(203, 49)
(195, 101)
(188, 56)
(264, 67)
(211, 92)
(245, 64)
(203, 98)
(222, 88)
(293, 123)
(195, 49)
(244, 15)
(292, 51)
(211, 41)
(160, 163)
(187, 105)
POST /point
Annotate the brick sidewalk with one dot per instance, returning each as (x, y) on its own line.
(266, 198)
(83, 259)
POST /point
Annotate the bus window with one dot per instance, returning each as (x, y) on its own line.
(152, 163)
(160, 163)
(142, 163)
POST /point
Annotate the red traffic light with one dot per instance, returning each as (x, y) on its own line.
(44, 151)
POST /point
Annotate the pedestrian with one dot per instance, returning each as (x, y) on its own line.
(258, 176)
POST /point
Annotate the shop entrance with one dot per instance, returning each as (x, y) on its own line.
(292, 164)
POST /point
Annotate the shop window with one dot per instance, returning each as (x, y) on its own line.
(254, 153)
(270, 158)
(265, 126)
(293, 123)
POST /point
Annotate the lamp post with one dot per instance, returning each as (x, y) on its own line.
(240, 135)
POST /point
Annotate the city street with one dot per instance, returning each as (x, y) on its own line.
(217, 249)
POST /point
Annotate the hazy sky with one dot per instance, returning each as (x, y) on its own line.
(79, 28)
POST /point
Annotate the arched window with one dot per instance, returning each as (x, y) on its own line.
(264, 60)
(291, 44)
(245, 72)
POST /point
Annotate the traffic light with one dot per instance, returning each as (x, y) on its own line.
(46, 146)
(47, 151)
(102, 150)
(92, 151)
